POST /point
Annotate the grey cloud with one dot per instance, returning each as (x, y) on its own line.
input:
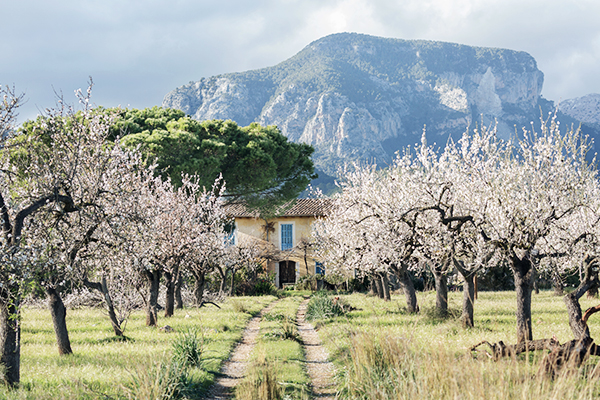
(139, 50)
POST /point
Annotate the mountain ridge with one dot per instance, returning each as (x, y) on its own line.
(357, 97)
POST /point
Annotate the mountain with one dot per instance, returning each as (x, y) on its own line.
(585, 109)
(360, 97)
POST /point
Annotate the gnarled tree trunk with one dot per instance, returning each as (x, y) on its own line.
(385, 286)
(557, 284)
(102, 287)
(232, 287)
(467, 317)
(407, 287)
(441, 291)
(178, 298)
(223, 275)
(378, 286)
(59, 320)
(199, 288)
(10, 342)
(170, 294)
(153, 278)
(469, 294)
(523, 273)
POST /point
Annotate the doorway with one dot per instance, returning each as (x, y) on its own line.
(287, 272)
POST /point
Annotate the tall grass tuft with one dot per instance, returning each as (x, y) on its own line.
(188, 347)
(238, 306)
(387, 367)
(260, 382)
(163, 380)
(323, 307)
(289, 329)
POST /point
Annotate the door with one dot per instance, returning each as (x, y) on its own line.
(287, 272)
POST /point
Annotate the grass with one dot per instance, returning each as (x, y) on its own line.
(102, 367)
(380, 352)
(277, 369)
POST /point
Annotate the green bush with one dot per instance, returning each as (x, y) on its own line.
(323, 307)
(263, 287)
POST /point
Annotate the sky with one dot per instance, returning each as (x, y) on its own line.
(137, 51)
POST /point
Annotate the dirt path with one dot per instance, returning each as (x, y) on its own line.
(319, 369)
(233, 370)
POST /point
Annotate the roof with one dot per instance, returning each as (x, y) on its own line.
(300, 208)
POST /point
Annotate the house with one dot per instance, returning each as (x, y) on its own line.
(288, 253)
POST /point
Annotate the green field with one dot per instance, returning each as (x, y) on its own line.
(384, 353)
(380, 351)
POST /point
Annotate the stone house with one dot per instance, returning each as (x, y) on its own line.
(288, 253)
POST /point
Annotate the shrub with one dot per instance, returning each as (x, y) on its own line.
(308, 282)
(323, 307)
(188, 347)
(264, 287)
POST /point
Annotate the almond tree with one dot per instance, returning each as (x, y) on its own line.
(522, 193)
(41, 187)
(15, 256)
(69, 152)
(372, 227)
(175, 222)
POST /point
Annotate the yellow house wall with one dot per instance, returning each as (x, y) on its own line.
(302, 229)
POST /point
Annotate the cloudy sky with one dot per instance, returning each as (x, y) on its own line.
(136, 51)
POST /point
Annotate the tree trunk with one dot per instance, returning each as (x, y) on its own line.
(114, 321)
(232, 287)
(469, 300)
(178, 298)
(441, 292)
(523, 273)
(557, 284)
(589, 282)
(469, 293)
(385, 286)
(10, 341)
(199, 288)
(102, 287)
(59, 315)
(170, 294)
(378, 286)
(153, 278)
(407, 287)
(223, 275)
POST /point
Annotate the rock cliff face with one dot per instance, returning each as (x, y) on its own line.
(358, 97)
(584, 109)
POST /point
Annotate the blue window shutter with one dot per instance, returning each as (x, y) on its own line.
(319, 268)
(287, 239)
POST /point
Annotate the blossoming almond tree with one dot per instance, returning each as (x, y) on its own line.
(521, 192)
(68, 153)
(42, 185)
(176, 223)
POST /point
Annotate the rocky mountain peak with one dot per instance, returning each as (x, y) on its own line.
(360, 97)
(583, 109)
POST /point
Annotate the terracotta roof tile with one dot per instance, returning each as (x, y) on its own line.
(300, 208)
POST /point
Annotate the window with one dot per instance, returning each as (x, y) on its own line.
(319, 269)
(287, 237)
(229, 234)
